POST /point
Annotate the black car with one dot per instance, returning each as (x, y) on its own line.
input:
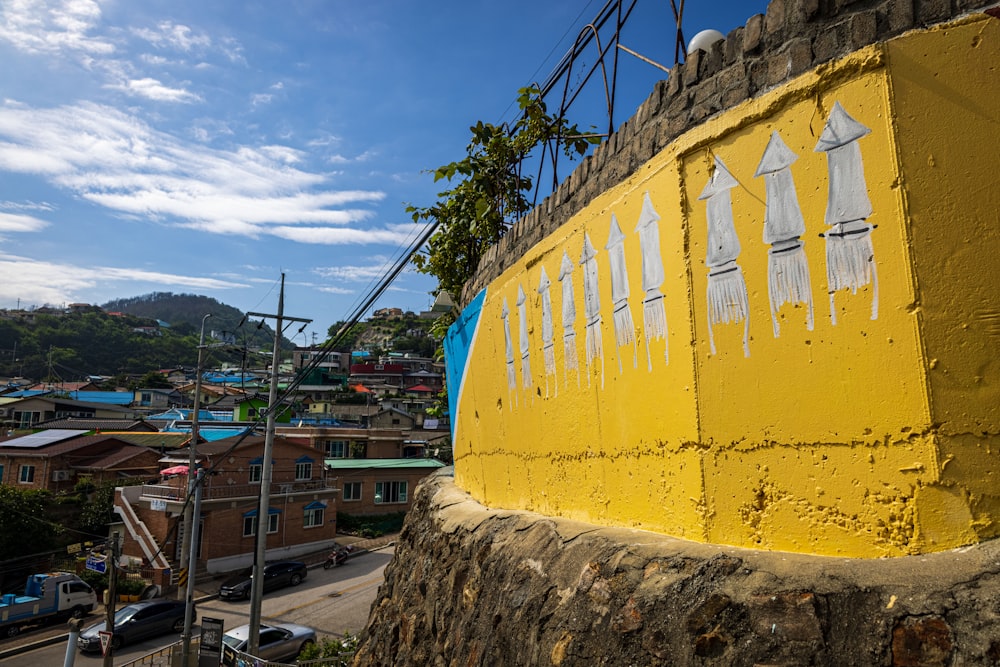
(276, 575)
(135, 621)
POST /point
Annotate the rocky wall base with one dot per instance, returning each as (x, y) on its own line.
(473, 586)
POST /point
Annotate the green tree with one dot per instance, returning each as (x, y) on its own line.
(24, 522)
(490, 191)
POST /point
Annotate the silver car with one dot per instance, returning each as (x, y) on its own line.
(278, 641)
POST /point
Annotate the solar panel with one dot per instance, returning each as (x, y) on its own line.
(42, 438)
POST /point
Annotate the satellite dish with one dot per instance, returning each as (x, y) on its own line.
(704, 40)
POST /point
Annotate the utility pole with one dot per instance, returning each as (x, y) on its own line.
(186, 565)
(257, 581)
(189, 599)
(112, 593)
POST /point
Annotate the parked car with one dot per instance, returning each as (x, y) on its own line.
(278, 641)
(276, 575)
(135, 621)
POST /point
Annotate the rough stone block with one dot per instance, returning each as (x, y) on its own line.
(778, 67)
(774, 21)
(752, 34)
(920, 642)
(804, 11)
(691, 66)
(734, 96)
(899, 16)
(863, 29)
(929, 12)
(674, 81)
(731, 77)
(734, 46)
(800, 56)
(705, 91)
(825, 47)
(790, 615)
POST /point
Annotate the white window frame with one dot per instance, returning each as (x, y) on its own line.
(342, 445)
(313, 518)
(353, 497)
(272, 524)
(303, 471)
(30, 470)
(397, 490)
(256, 473)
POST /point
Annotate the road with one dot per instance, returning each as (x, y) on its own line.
(334, 602)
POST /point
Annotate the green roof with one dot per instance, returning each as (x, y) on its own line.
(361, 464)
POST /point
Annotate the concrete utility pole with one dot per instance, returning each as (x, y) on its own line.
(112, 593)
(192, 456)
(189, 597)
(257, 585)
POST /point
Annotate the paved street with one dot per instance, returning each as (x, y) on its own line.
(332, 601)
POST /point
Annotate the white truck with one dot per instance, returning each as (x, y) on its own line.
(47, 597)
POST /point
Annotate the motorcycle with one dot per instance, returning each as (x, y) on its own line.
(337, 557)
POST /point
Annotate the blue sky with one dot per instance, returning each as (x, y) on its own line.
(206, 147)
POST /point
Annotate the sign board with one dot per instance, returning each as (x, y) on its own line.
(97, 564)
(105, 641)
(158, 505)
(210, 646)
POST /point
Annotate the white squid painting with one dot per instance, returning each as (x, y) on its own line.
(624, 327)
(548, 333)
(654, 313)
(523, 341)
(592, 306)
(570, 359)
(508, 346)
(850, 257)
(727, 290)
(787, 267)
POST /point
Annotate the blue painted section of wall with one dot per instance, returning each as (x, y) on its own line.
(457, 345)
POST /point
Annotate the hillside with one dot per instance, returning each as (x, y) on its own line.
(184, 313)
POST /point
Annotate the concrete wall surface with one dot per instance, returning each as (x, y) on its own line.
(778, 332)
(475, 586)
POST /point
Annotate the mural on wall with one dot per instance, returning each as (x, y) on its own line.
(524, 342)
(548, 332)
(727, 290)
(508, 346)
(592, 307)
(654, 313)
(787, 267)
(622, 314)
(571, 361)
(850, 256)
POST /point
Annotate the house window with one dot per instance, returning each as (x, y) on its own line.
(250, 522)
(303, 468)
(27, 475)
(256, 470)
(1, 473)
(390, 492)
(145, 398)
(336, 449)
(395, 420)
(352, 491)
(313, 514)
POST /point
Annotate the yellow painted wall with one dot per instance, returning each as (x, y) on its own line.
(868, 437)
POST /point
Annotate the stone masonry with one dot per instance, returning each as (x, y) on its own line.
(473, 586)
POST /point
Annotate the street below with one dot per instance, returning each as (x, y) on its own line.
(334, 602)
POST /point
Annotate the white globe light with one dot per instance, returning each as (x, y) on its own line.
(704, 40)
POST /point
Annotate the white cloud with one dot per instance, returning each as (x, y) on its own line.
(173, 35)
(261, 99)
(39, 282)
(26, 206)
(55, 27)
(356, 273)
(14, 222)
(115, 160)
(154, 90)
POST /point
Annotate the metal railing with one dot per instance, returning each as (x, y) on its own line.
(227, 491)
